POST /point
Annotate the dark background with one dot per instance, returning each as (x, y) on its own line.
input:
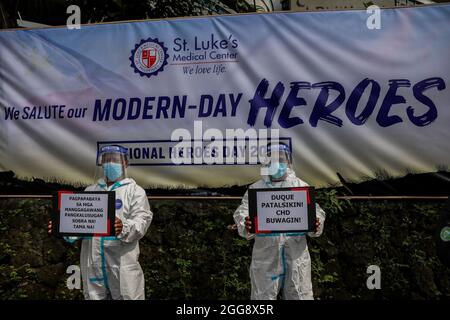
(191, 252)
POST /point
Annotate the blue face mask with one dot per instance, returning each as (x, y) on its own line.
(277, 169)
(112, 170)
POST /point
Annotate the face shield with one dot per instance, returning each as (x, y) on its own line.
(112, 163)
(277, 162)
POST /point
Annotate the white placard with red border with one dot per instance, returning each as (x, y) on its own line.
(279, 210)
(84, 213)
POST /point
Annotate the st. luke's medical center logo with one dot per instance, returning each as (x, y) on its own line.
(149, 57)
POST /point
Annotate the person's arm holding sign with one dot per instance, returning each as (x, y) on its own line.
(135, 227)
(242, 219)
(118, 226)
(320, 221)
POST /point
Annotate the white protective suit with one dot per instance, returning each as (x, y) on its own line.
(109, 265)
(280, 261)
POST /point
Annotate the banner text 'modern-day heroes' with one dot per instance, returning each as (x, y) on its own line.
(226, 104)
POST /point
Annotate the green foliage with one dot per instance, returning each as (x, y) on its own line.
(196, 252)
(396, 236)
(330, 203)
(190, 252)
(117, 10)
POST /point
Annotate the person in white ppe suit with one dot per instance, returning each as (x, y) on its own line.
(109, 265)
(280, 261)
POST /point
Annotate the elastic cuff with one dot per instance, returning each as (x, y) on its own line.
(250, 236)
(71, 240)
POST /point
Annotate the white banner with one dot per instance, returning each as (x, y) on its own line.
(347, 97)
